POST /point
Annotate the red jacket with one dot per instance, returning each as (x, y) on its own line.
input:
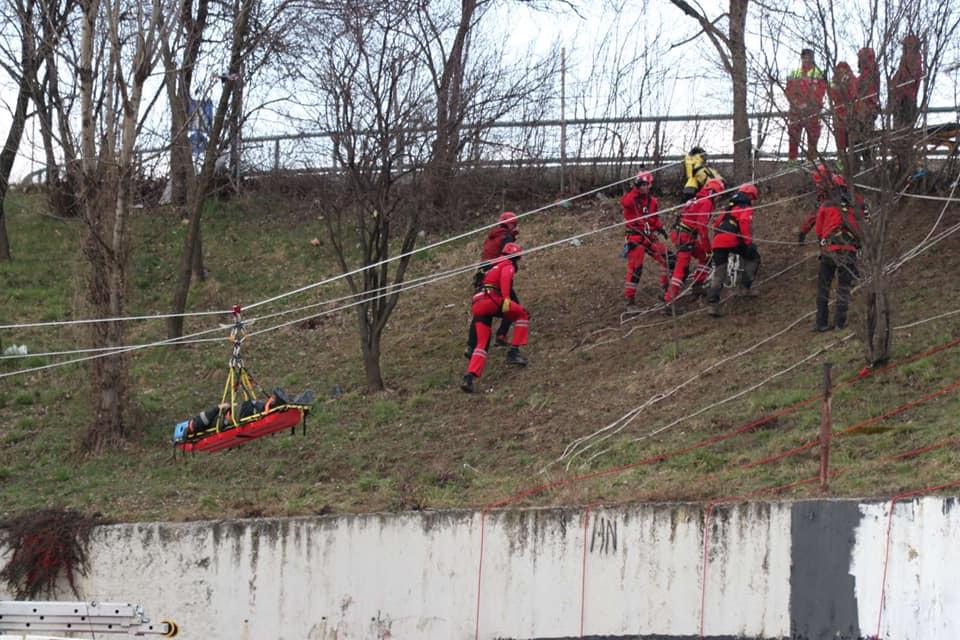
(905, 83)
(640, 212)
(837, 227)
(496, 239)
(696, 214)
(805, 89)
(868, 84)
(732, 226)
(843, 92)
(499, 279)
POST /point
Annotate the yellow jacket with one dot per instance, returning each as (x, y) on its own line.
(697, 171)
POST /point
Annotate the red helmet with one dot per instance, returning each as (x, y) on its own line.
(714, 185)
(839, 181)
(644, 177)
(512, 249)
(749, 190)
(820, 173)
(509, 219)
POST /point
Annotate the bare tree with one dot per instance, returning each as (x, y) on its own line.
(880, 26)
(375, 101)
(111, 56)
(37, 26)
(257, 32)
(731, 47)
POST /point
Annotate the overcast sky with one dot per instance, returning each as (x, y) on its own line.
(692, 84)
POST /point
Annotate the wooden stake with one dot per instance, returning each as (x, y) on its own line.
(826, 428)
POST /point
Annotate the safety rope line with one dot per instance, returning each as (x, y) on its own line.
(365, 296)
(622, 422)
(778, 489)
(119, 350)
(886, 553)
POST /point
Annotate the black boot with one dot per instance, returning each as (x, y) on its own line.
(515, 357)
(469, 383)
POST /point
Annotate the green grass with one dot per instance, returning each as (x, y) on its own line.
(423, 443)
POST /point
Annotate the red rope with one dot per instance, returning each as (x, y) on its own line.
(583, 568)
(886, 555)
(483, 516)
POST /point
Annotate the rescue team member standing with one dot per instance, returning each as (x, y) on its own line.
(805, 90)
(497, 238)
(868, 106)
(642, 222)
(692, 240)
(491, 302)
(839, 234)
(843, 99)
(733, 234)
(905, 84)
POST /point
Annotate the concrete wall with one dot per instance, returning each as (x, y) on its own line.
(773, 570)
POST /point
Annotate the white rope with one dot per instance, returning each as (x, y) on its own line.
(439, 243)
(158, 316)
(575, 449)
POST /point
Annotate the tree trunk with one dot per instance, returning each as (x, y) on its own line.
(370, 348)
(878, 329)
(201, 189)
(742, 145)
(7, 157)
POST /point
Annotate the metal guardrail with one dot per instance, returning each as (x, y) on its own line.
(297, 152)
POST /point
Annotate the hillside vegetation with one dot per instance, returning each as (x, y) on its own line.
(424, 443)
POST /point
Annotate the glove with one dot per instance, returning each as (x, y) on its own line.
(801, 237)
(505, 307)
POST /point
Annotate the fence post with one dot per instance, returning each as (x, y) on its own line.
(826, 428)
(563, 118)
(276, 155)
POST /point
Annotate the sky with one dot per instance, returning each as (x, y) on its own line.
(684, 88)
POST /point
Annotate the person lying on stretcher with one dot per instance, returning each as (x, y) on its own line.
(207, 419)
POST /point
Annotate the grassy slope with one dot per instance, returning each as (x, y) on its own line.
(424, 443)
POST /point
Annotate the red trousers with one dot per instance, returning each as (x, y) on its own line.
(688, 246)
(486, 306)
(641, 245)
(797, 124)
(841, 136)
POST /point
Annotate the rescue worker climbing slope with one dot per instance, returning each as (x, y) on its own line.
(821, 177)
(839, 233)
(697, 172)
(492, 301)
(497, 238)
(691, 239)
(733, 234)
(643, 225)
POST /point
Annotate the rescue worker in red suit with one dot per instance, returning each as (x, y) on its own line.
(733, 233)
(493, 301)
(497, 238)
(822, 177)
(643, 225)
(691, 239)
(805, 90)
(839, 233)
(905, 84)
(868, 107)
(843, 100)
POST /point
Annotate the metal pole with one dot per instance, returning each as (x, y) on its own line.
(276, 155)
(826, 429)
(563, 118)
